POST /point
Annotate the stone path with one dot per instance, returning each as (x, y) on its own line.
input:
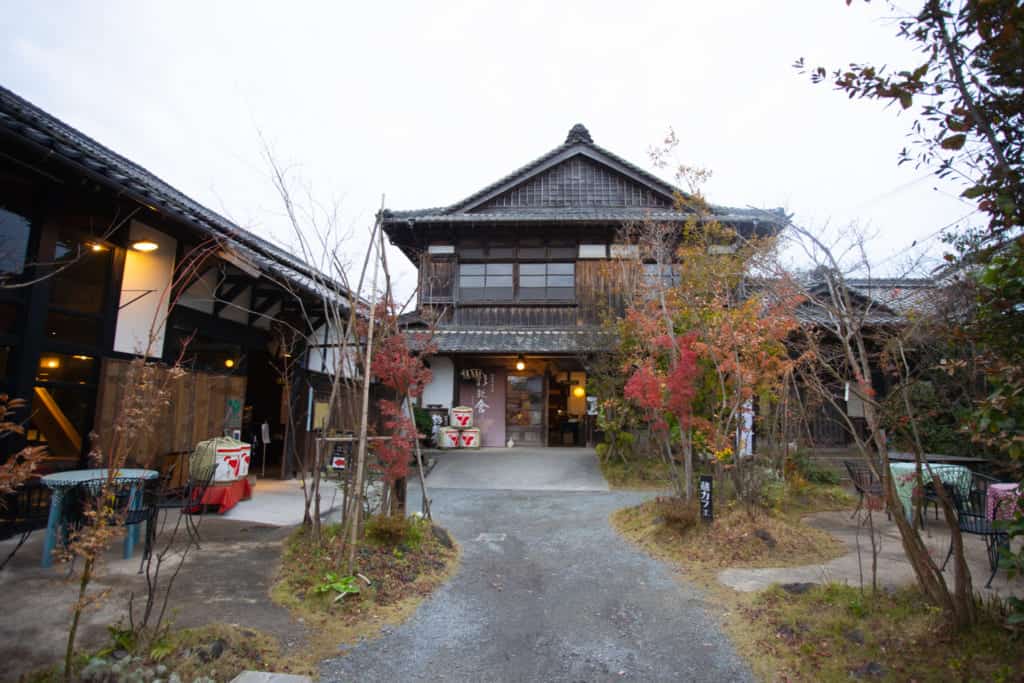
(547, 591)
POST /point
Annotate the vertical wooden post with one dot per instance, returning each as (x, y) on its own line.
(425, 504)
(365, 411)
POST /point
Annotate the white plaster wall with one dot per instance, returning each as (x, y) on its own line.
(144, 293)
(199, 296)
(442, 385)
(326, 359)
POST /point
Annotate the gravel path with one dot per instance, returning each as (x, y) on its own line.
(547, 591)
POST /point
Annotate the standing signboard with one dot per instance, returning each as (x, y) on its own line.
(707, 513)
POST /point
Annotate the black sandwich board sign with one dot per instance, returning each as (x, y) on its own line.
(707, 512)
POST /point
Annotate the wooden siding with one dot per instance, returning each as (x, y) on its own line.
(577, 182)
(197, 410)
(437, 280)
(602, 286)
(513, 316)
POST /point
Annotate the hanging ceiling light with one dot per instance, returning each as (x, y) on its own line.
(145, 245)
(520, 363)
(578, 391)
(229, 363)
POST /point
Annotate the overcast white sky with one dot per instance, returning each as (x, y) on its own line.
(428, 102)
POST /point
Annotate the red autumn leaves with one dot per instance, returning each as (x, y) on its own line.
(657, 392)
(398, 369)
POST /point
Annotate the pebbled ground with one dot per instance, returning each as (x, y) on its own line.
(547, 591)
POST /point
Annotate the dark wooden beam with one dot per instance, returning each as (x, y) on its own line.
(223, 297)
(269, 298)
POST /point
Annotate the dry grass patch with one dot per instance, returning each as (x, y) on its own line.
(402, 569)
(644, 474)
(241, 648)
(671, 530)
(835, 633)
(218, 652)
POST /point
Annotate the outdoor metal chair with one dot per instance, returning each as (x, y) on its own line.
(866, 484)
(930, 496)
(972, 518)
(187, 501)
(22, 512)
(124, 502)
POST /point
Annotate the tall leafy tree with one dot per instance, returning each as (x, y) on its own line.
(966, 94)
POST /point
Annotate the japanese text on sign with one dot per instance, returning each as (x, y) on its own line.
(704, 489)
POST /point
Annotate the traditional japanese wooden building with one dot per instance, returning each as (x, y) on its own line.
(513, 278)
(90, 243)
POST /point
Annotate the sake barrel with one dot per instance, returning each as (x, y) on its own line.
(469, 438)
(462, 417)
(448, 437)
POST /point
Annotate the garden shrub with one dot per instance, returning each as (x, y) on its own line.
(676, 513)
(396, 530)
(809, 470)
(770, 485)
(424, 422)
(387, 529)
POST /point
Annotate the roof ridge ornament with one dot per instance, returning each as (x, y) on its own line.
(578, 133)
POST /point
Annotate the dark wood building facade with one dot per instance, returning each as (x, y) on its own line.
(91, 249)
(514, 278)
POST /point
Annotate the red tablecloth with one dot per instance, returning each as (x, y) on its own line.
(226, 496)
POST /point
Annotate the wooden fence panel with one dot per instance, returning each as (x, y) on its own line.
(197, 409)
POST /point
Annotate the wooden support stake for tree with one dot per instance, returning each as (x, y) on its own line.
(364, 417)
(425, 505)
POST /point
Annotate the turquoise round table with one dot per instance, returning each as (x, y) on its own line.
(904, 477)
(62, 481)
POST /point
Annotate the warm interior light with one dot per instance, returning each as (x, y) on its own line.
(229, 363)
(145, 245)
(80, 357)
(97, 247)
(50, 363)
(578, 391)
(520, 364)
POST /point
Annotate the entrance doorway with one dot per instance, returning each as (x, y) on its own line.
(524, 409)
(567, 407)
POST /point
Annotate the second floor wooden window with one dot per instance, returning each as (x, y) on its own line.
(547, 281)
(528, 282)
(486, 282)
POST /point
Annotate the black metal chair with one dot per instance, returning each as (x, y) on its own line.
(930, 496)
(186, 500)
(22, 512)
(113, 499)
(866, 484)
(972, 518)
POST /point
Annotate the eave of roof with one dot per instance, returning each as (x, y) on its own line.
(24, 120)
(513, 340)
(578, 142)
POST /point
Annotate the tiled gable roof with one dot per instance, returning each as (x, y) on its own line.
(576, 181)
(28, 122)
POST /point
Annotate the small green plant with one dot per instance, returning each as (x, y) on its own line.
(811, 471)
(393, 530)
(342, 585)
(122, 638)
(160, 650)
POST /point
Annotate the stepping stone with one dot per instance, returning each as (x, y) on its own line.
(268, 677)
